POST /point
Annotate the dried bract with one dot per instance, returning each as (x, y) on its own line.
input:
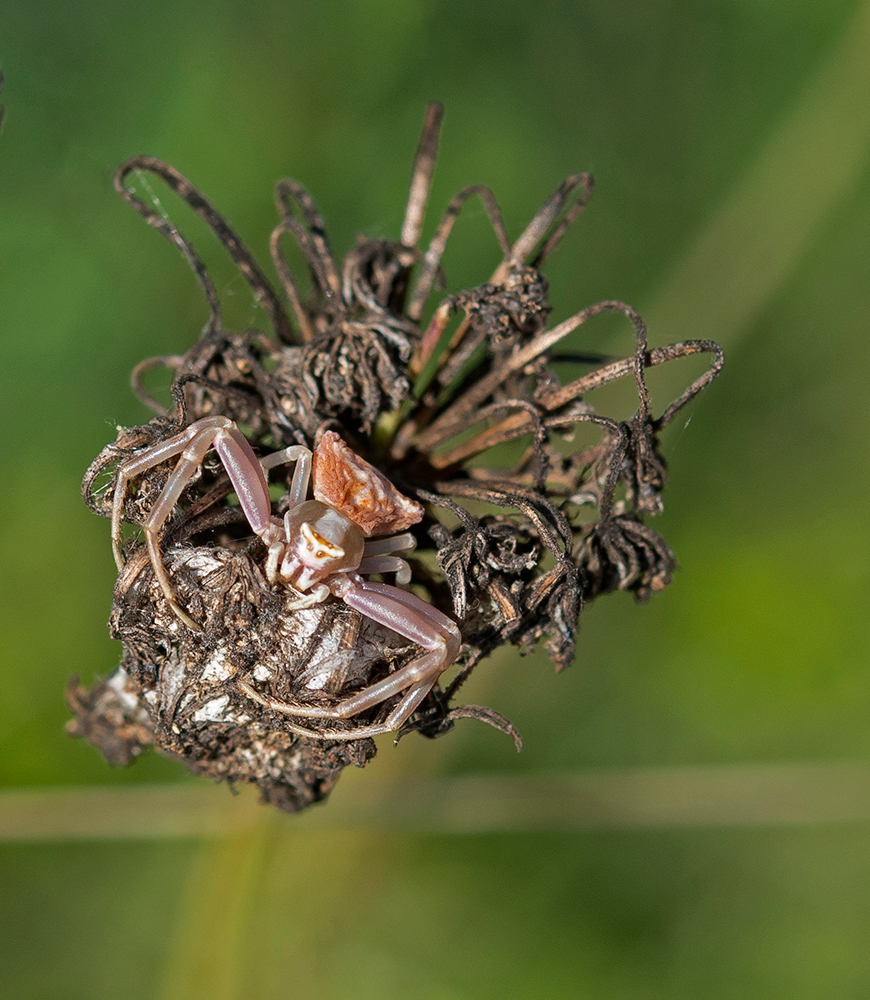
(250, 669)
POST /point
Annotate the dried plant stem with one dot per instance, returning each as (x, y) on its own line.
(227, 236)
(421, 176)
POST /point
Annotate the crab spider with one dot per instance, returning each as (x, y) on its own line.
(320, 548)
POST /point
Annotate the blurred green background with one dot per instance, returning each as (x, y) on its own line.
(730, 144)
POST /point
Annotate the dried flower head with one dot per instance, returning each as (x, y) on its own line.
(242, 673)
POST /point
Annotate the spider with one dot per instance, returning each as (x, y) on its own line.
(320, 548)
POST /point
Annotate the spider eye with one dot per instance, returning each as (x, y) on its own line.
(319, 547)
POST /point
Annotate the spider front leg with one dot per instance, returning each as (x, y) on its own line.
(302, 456)
(379, 556)
(413, 619)
(192, 444)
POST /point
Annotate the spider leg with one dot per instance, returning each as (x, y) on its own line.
(160, 452)
(378, 557)
(243, 469)
(191, 458)
(437, 618)
(301, 455)
(394, 720)
(405, 542)
(386, 564)
(413, 619)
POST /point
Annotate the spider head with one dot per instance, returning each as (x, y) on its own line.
(320, 542)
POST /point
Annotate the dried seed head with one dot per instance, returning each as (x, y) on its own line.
(515, 544)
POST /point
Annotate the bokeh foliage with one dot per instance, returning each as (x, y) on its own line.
(730, 144)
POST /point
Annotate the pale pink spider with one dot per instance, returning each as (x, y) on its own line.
(317, 550)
